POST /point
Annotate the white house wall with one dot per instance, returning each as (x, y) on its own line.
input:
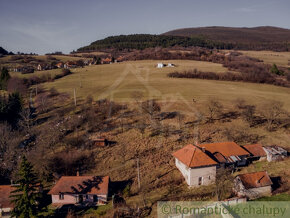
(192, 175)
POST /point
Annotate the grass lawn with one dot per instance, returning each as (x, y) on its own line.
(278, 197)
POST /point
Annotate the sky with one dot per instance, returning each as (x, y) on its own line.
(43, 26)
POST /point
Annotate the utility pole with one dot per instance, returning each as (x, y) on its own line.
(138, 173)
(75, 97)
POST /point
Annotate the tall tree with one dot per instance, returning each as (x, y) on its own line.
(26, 194)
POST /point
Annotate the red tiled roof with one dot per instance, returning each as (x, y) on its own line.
(256, 150)
(227, 149)
(5, 200)
(220, 157)
(193, 156)
(255, 180)
(81, 184)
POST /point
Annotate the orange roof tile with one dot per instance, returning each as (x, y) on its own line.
(193, 156)
(81, 184)
(255, 180)
(256, 150)
(5, 200)
(227, 149)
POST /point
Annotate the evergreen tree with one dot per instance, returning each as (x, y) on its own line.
(4, 77)
(276, 71)
(26, 194)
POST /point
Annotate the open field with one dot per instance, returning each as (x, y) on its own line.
(119, 81)
(271, 57)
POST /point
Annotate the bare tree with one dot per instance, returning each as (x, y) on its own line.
(214, 109)
(272, 112)
(223, 183)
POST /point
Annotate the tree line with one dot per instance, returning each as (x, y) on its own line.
(142, 41)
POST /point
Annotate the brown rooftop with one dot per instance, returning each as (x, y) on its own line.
(193, 156)
(81, 185)
(256, 150)
(5, 200)
(256, 179)
(227, 149)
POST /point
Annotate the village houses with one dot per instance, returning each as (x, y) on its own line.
(198, 164)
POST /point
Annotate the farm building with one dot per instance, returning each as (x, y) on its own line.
(59, 65)
(253, 185)
(195, 165)
(275, 153)
(99, 142)
(106, 61)
(86, 190)
(227, 153)
(160, 65)
(5, 201)
(257, 152)
(170, 65)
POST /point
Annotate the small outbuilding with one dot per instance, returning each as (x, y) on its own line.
(275, 153)
(99, 142)
(253, 185)
(160, 65)
(256, 151)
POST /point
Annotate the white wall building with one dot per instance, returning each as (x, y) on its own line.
(195, 165)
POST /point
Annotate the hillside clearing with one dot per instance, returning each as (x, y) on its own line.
(119, 81)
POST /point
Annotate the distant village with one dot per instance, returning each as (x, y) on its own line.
(30, 68)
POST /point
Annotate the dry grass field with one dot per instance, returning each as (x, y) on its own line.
(119, 81)
(271, 57)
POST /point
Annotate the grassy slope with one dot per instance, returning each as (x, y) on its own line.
(118, 81)
(270, 57)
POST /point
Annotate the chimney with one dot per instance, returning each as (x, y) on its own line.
(78, 173)
(203, 149)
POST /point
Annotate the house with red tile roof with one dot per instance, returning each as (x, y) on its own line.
(87, 190)
(256, 151)
(253, 185)
(227, 153)
(195, 165)
(5, 201)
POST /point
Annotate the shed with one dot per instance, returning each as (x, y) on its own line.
(253, 185)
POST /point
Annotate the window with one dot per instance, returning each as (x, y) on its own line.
(61, 196)
(87, 197)
(209, 177)
(199, 180)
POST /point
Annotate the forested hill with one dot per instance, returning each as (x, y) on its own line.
(3, 51)
(258, 38)
(142, 41)
(263, 37)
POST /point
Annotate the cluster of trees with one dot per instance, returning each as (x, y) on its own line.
(10, 108)
(250, 70)
(228, 76)
(142, 41)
